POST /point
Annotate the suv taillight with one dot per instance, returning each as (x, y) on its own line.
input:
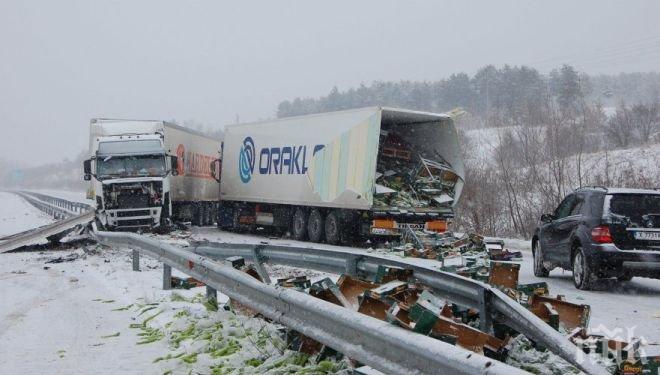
(601, 234)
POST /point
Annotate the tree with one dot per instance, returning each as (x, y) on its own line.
(565, 87)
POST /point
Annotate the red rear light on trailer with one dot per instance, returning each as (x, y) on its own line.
(601, 234)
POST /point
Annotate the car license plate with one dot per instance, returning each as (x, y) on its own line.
(647, 236)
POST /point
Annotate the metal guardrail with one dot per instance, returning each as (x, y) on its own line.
(489, 301)
(57, 207)
(34, 235)
(70, 215)
(376, 343)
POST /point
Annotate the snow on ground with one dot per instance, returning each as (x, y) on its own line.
(68, 316)
(17, 215)
(56, 315)
(617, 308)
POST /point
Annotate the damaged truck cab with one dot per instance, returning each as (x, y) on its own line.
(136, 180)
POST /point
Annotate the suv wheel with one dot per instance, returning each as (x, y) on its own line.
(537, 253)
(583, 275)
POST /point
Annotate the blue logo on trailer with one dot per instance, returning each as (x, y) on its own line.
(246, 160)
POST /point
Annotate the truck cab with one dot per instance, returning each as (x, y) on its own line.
(130, 171)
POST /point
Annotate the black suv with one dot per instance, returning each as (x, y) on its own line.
(598, 232)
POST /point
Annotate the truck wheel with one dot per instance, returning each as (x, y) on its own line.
(195, 214)
(299, 225)
(315, 226)
(583, 275)
(332, 228)
(537, 253)
(208, 215)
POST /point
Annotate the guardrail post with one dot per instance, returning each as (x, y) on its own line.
(351, 266)
(261, 270)
(485, 311)
(167, 277)
(136, 260)
(211, 293)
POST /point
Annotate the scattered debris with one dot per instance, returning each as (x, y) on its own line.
(69, 258)
(187, 283)
(405, 180)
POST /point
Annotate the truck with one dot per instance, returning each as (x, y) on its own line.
(368, 172)
(145, 174)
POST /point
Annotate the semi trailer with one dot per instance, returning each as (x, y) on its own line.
(145, 174)
(332, 176)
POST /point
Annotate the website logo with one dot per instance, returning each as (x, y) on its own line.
(246, 160)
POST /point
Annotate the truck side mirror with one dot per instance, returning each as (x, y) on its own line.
(87, 169)
(175, 165)
(547, 218)
(216, 167)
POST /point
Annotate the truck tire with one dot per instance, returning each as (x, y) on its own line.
(195, 209)
(207, 214)
(299, 225)
(315, 226)
(332, 228)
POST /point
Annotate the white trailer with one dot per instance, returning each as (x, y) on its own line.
(369, 171)
(146, 173)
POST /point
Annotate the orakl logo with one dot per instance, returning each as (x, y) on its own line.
(180, 153)
(246, 160)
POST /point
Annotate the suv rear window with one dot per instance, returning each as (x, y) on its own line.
(634, 206)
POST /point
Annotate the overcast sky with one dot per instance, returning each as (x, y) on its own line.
(64, 62)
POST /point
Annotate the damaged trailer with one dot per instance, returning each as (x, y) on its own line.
(339, 175)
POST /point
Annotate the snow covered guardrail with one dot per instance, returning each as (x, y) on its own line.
(376, 343)
(57, 207)
(69, 215)
(489, 301)
(34, 235)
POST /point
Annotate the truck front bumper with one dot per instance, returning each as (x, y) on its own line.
(612, 261)
(133, 218)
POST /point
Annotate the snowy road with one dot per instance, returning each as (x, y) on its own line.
(57, 316)
(53, 320)
(17, 215)
(620, 308)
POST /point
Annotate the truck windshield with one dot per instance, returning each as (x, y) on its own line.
(127, 166)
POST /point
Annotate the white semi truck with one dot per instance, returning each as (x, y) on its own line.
(144, 174)
(330, 176)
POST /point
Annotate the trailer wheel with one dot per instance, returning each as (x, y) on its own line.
(315, 226)
(299, 225)
(208, 214)
(332, 228)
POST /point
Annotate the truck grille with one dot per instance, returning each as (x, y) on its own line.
(133, 200)
(133, 213)
(135, 223)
